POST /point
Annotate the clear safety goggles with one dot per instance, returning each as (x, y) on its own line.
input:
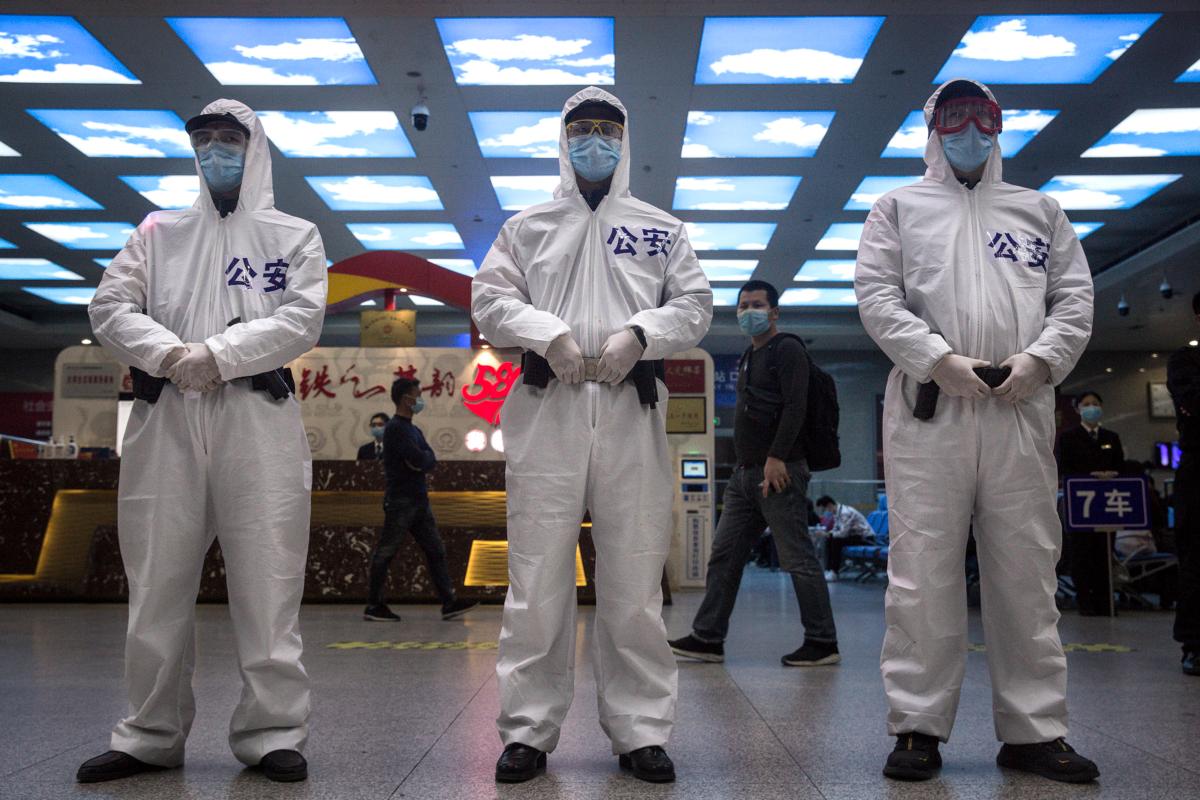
(205, 138)
(954, 115)
(586, 127)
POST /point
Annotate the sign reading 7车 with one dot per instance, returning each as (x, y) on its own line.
(1106, 503)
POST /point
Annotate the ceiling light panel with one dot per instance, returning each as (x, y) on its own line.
(1020, 126)
(337, 134)
(719, 269)
(735, 193)
(518, 192)
(818, 297)
(1043, 48)
(1152, 132)
(1104, 192)
(730, 235)
(85, 235)
(826, 269)
(764, 49)
(34, 269)
(841, 236)
(521, 51)
(407, 235)
(376, 192)
(5, 244)
(6, 151)
(517, 134)
(117, 133)
(1084, 229)
(36, 49)
(1191, 75)
(754, 134)
(42, 192)
(275, 51)
(463, 266)
(63, 297)
(418, 300)
(875, 186)
(724, 296)
(166, 191)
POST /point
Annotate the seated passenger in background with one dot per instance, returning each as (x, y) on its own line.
(848, 527)
(373, 450)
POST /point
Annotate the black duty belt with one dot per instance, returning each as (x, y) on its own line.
(278, 383)
(536, 372)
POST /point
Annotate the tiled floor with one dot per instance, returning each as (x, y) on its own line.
(418, 723)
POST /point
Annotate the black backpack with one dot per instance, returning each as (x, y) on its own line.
(821, 417)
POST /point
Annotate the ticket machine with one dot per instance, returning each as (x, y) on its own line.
(694, 518)
(692, 443)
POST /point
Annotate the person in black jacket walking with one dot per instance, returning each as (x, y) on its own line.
(768, 487)
(1089, 449)
(407, 457)
(1183, 381)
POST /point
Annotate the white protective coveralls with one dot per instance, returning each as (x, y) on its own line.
(231, 462)
(557, 268)
(985, 273)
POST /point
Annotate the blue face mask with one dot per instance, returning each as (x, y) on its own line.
(594, 157)
(222, 168)
(377, 431)
(968, 148)
(754, 322)
(418, 405)
(1091, 414)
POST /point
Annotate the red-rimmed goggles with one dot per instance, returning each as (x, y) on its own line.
(954, 115)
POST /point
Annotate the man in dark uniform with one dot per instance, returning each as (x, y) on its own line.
(1183, 381)
(373, 450)
(1089, 449)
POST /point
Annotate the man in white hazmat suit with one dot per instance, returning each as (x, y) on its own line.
(207, 305)
(596, 286)
(962, 278)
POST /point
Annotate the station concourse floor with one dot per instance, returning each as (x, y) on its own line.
(416, 722)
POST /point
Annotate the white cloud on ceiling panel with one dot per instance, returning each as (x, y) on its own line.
(1033, 120)
(5, 150)
(68, 73)
(362, 189)
(35, 201)
(739, 205)
(439, 238)
(174, 191)
(111, 146)
(376, 235)
(1161, 120)
(324, 49)
(26, 45)
(485, 73)
(70, 232)
(524, 47)
(793, 131)
(692, 150)
(1123, 150)
(545, 131)
(1087, 198)
(1010, 41)
(608, 60)
(705, 184)
(799, 64)
(237, 73)
(305, 138)
(700, 118)
(533, 183)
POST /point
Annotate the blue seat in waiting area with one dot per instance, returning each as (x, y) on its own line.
(871, 558)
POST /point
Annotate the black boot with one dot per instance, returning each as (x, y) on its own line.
(1190, 662)
(456, 608)
(520, 762)
(915, 758)
(112, 766)
(380, 613)
(691, 647)
(813, 654)
(650, 764)
(284, 766)
(1055, 760)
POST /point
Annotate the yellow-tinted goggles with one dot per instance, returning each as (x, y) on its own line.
(586, 127)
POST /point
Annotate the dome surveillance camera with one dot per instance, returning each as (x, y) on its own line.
(420, 116)
(1123, 307)
(1165, 289)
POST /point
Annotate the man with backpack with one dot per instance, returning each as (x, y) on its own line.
(776, 432)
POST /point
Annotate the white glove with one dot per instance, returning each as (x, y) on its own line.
(618, 355)
(173, 357)
(1029, 373)
(956, 377)
(196, 371)
(566, 359)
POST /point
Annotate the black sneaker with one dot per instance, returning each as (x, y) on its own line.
(691, 647)
(111, 766)
(456, 608)
(1191, 662)
(380, 614)
(284, 766)
(915, 758)
(651, 764)
(813, 654)
(1055, 760)
(519, 763)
